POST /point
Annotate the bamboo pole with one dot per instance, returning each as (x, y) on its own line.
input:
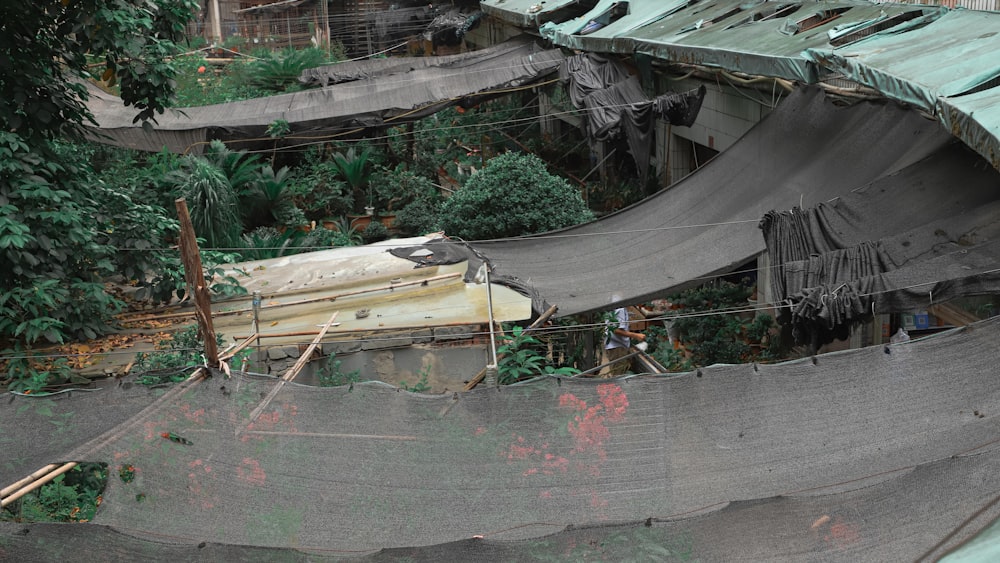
(239, 348)
(104, 439)
(387, 287)
(15, 486)
(38, 483)
(354, 330)
(289, 375)
(195, 276)
(294, 371)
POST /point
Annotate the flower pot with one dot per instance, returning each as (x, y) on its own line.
(370, 211)
(387, 219)
(359, 222)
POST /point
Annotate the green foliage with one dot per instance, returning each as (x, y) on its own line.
(353, 167)
(30, 374)
(316, 189)
(279, 71)
(719, 337)
(267, 200)
(397, 187)
(46, 45)
(213, 87)
(519, 358)
(331, 374)
(71, 497)
(263, 243)
(512, 196)
(173, 359)
(240, 168)
(421, 385)
(212, 202)
(374, 232)
(52, 253)
(420, 216)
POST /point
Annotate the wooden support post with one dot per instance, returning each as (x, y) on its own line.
(195, 277)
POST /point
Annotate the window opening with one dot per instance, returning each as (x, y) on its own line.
(768, 12)
(852, 33)
(813, 21)
(608, 17)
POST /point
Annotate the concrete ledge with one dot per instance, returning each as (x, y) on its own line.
(444, 333)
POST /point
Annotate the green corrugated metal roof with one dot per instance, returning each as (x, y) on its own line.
(975, 118)
(524, 13)
(956, 53)
(924, 55)
(751, 38)
(640, 13)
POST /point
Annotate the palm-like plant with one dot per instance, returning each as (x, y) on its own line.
(212, 201)
(279, 71)
(239, 167)
(268, 201)
(353, 166)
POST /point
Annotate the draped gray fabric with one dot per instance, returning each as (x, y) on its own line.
(873, 454)
(706, 224)
(617, 107)
(376, 101)
(926, 234)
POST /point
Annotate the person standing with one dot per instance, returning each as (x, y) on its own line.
(617, 342)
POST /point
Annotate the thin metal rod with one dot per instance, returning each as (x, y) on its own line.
(489, 306)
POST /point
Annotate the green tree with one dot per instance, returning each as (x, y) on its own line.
(53, 254)
(512, 196)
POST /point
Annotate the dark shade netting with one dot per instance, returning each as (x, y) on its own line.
(348, 71)
(806, 151)
(922, 236)
(874, 454)
(383, 99)
(900, 218)
(35, 431)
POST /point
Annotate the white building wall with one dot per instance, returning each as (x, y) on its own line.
(726, 115)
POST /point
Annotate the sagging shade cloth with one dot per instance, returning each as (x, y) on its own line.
(864, 455)
(616, 106)
(348, 71)
(923, 235)
(374, 102)
(806, 150)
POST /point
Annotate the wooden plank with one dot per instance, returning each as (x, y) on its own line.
(194, 274)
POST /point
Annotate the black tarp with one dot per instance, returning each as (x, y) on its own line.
(615, 105)
(808, 150)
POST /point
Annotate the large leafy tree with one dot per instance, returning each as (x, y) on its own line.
(513, 195)
(54, 246)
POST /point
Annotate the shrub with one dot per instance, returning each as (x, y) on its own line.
(374, 232)
(420, 216)
(512, 196)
